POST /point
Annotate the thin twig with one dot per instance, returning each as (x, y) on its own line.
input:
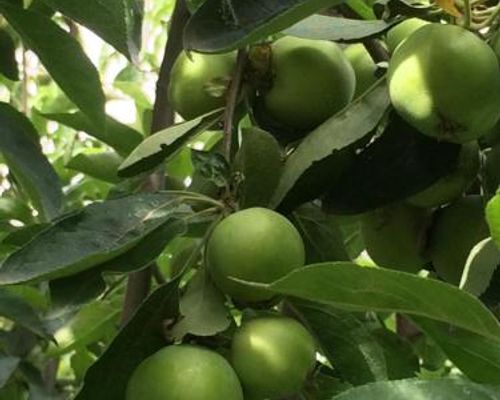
(25, 83)
(377, 52)
(139, 283)
(467, 14)
(232, 99)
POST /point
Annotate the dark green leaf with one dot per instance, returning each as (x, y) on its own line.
(15, 308)
(119, 136)
(349, 286)
(259, 161)
(8, 63)
(77, 289)
(455, 389)
(321, 234)
(8, 365)
(338, 29)
(158, 147)
(90, 237)
(107, 18)
(476, 356)
(338, 132)
(223, 25)
(212, 166)
(142, 336)
(63, 57)
(146, 251)
(401, 361)
(380, 174)
(346, 342)
(25, 158)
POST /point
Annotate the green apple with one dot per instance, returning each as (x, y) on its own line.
(394, 236)
(257, 245)
(272, 356)
(312, 81)
(456, 230)
(184, 372)
(198, 82)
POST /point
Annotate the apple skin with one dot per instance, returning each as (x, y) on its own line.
(397, 35)
(394, 236)
(272, 356)
(313, 80)
(445, 82)
(364, 67)
(198, 83)
(256, 245)
(184, 372)
(453, 185)
(456, 230)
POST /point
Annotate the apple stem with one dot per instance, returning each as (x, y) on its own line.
(232, 100)
(139, 283)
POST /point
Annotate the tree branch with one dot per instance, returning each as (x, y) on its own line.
(232, 99)
(163, 114)
(139, 283)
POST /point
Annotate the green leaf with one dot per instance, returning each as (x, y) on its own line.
(77, 289)
(203, 309)
(321, 234)
(16, 309)
(92, 323)
(101, 165)
(160, 146)
(150, 247)
(8, 365)
(346, 342)
(338, 29)
(493, 218)
(81, 361)
(8, 63)
(401, 361)
(30, 167)
(455, 389)
(360, 7)
(259, 161)
(117, 135)
(90, 237)
(13, 208)
(481, 264)
(223, 25)
(349, 286)
(63, 57)
(476, 356)
(106, 18)
(338, 132)
(141, 337)
(378, 175)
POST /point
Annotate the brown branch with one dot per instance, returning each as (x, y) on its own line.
(139, 283)
(377, 51)
(163, 115)
(232, 99)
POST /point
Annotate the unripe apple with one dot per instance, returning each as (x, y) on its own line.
(184, 372)
(272, 356)
(257, 245)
